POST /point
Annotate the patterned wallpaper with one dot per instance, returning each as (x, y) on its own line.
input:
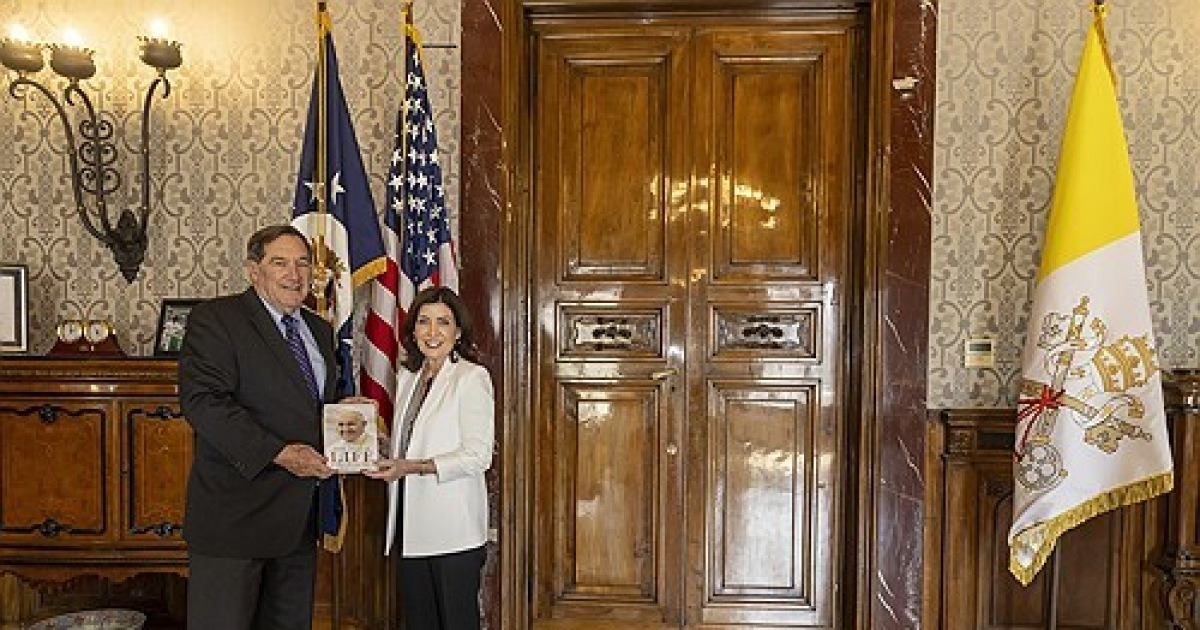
(225, 146)
(226, 143)
(1004, 75)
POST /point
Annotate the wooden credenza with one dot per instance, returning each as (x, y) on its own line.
(94, 458)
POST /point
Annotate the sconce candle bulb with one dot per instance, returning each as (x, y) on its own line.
(71, 37)
(158, 28)
(19, 33)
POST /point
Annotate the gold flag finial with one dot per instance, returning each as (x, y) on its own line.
(1100, 12)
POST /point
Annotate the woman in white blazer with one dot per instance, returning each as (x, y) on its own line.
(441, 445)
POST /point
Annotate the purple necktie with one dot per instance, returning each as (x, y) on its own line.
(301, 353)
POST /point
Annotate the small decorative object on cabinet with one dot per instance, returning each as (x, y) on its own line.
(95, 460)
(112, 619)
(86, 338)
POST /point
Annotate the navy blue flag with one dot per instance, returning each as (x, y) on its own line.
(346, 237)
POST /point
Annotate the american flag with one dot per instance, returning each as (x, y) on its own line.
(417, 236)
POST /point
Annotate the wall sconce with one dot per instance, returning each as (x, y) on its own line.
(91, 159)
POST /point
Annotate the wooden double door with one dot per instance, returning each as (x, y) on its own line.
(695, 195)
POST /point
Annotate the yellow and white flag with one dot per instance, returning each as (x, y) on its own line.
(1091, 431)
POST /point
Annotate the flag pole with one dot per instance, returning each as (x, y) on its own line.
(410, 35)
(320, 264)
(1099, 12)
(320, 176)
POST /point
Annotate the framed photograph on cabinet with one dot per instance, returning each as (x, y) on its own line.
(14, 308)
(172, 323)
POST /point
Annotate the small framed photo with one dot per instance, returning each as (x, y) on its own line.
(172, 322)
(14, 308)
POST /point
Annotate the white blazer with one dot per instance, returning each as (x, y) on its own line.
(446, 512)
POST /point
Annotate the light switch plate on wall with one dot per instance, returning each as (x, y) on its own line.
(978, 353)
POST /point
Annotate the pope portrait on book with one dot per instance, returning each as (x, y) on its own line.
(351, 436)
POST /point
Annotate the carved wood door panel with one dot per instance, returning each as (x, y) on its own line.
(693, 203)
(612, 291)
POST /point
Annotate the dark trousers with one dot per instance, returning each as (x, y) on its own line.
(441, 592)
(253, 593)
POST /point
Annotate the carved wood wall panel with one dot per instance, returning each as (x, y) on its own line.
(1180, 560)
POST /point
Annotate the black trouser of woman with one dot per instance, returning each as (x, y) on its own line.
(441, 592)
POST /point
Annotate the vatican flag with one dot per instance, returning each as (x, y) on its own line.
(1091, 431)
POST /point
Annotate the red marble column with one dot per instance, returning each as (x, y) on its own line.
(480, 221)
(896, 563)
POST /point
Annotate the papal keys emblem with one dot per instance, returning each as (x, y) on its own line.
(1089, 382)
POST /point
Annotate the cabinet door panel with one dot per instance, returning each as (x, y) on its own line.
(158, 446)
(53, 471)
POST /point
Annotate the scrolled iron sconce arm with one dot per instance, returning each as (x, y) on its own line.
(91, 156)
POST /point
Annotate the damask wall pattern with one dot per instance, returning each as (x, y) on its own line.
(225, 144)
(1005, 72)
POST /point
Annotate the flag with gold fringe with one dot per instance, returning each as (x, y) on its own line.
(334, 209)
(1091, 431)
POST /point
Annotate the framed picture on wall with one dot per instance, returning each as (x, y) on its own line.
(172, 322)
(14, 308)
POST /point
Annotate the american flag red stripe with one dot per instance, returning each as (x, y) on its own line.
(378, 376)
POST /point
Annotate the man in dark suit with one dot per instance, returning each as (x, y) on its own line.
(251, 517)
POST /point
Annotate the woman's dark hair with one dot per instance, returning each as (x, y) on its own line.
(464, 346)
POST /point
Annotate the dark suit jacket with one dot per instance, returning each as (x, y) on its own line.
(245, 397)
